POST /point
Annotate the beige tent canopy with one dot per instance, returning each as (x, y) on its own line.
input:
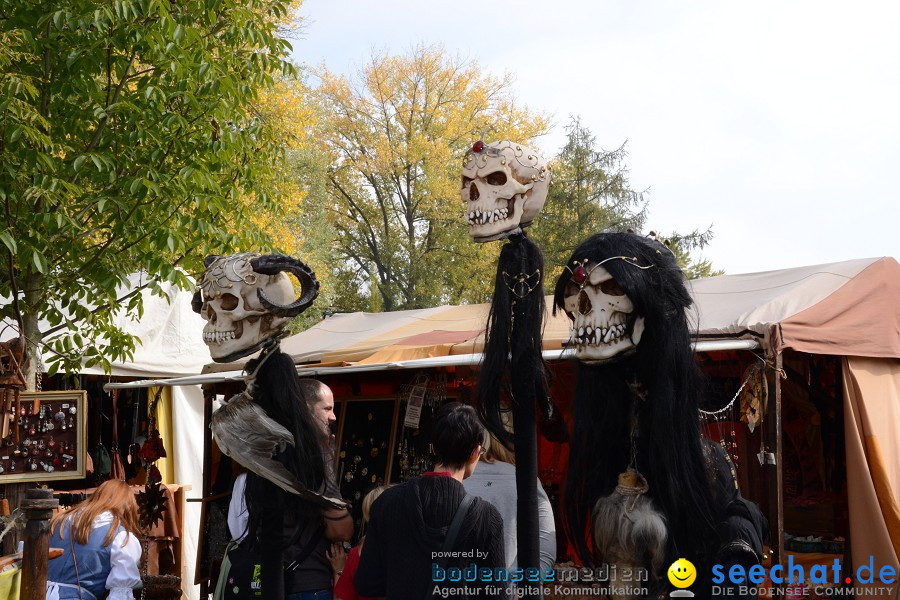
(846, 308)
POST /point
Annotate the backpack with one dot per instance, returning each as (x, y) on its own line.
(239, 576)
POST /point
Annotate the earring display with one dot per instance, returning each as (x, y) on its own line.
(413, 455)
(44, 436)
(365, 448)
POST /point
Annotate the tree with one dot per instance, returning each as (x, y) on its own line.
(396, 140)
(129, 140)
(591, 194)
(684, 244)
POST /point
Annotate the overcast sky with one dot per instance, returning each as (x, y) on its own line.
(778, 123)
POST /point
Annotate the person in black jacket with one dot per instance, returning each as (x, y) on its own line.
(409, 525)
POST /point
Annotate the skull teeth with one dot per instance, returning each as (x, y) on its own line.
(593, 336)
(218, 336)
(478, 217)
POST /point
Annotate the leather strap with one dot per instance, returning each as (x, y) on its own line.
(455, 526)
(452, 534)
(75, 560)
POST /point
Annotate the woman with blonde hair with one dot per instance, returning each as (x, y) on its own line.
(344, 589)
(101, 549)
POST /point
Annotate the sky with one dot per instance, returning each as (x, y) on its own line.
(775, 123)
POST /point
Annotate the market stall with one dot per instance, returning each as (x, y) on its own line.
(83, 440)
(827, 335)
(810, 323)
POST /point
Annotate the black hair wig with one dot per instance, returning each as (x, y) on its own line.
(660, 383)
(513, 336)
(456, 434)
(279, 393)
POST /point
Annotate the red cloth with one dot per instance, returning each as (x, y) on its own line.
(437, 474)
(344, 588)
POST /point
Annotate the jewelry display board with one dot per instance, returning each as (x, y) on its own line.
(367, 444)
(413, 455)
(46, 433)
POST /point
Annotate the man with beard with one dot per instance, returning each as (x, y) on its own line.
(307, 570)
(321, 404)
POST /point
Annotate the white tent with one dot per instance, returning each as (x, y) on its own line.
(170, 345)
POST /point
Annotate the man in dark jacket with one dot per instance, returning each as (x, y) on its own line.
(409, 525)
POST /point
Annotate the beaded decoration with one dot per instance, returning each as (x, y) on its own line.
(580, 274)
(521, 284)
(480, 152)
(226, 271)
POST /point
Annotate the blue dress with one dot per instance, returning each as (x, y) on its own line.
(94, 562)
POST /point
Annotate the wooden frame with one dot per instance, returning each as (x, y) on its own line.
(64, 401)
(345, 403)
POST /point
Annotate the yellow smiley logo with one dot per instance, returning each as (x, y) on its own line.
(682, 573)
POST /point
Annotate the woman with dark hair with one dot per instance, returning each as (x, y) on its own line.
(410, 522)
(101, 550)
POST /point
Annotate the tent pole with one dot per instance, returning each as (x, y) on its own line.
(773, 459)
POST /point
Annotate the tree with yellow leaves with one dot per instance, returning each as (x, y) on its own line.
(396, 137)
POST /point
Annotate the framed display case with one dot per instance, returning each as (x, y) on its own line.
(46, 436)
(367, 443)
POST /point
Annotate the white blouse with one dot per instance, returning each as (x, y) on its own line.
(124, 561)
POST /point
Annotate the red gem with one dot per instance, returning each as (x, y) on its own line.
(579, 275)
(478, 146)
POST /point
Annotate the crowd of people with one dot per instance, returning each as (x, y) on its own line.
(446, 517)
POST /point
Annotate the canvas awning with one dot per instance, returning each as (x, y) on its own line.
(838, 308)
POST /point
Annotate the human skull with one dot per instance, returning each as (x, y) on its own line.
(247, 299)
(600, 311)
(504, 187)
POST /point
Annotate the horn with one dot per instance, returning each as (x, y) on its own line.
(197, 302)
(270, 264)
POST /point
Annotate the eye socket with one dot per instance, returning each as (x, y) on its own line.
(466, 181)
(611, 288)
(496, 178)
(229, 301)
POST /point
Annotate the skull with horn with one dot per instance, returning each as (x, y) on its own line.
(247, 299)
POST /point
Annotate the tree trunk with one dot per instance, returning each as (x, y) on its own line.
(15, 492)
(32, 331)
